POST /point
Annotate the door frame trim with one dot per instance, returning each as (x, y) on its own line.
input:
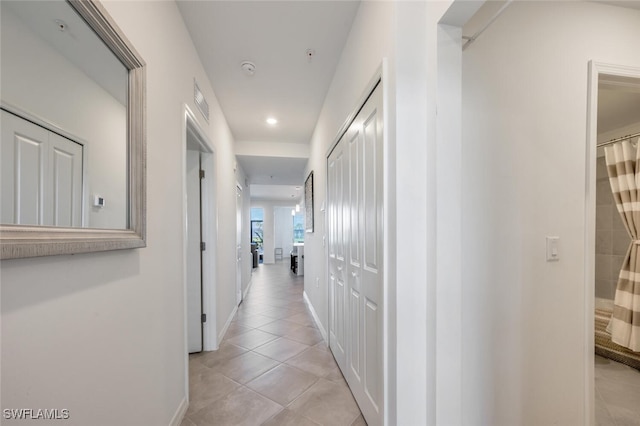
(208, 208)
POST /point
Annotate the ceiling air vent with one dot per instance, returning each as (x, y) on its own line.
(200, 101)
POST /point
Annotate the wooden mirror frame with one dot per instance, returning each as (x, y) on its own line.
(19, 241)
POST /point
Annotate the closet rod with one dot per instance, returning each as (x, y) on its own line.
(623, 138)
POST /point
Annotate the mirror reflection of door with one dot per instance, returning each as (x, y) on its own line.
(57, 74)
(41, 175)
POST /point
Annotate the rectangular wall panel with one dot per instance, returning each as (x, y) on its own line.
(353, 199)
(370, 192)
(65, 169)
(355, 334)
(339, 202)
(29, 170)
(332, 301)
(62, 188)
(331, 207)
(372, 368)
(340, 314)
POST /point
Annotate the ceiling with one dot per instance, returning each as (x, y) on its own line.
(274, 170)
(62, 28)
(287, 84)
(292, 193)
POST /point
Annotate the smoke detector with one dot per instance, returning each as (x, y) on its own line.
(249, 68)
(310, 53)
(61, 25)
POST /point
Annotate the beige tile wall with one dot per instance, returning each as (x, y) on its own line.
(612, 240)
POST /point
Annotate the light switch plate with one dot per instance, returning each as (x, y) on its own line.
(98, 201)
(553, 253)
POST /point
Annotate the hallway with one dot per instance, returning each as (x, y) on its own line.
(273, 367)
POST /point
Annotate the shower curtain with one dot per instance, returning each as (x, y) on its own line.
(623, 165)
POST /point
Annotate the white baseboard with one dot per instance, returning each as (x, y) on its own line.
(246, 291)
(315, 316)
(226, 326)
(180, 412)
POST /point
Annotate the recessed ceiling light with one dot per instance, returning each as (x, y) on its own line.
(272, 121)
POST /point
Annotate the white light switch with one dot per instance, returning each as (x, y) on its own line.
(552, 249)
(98, 201)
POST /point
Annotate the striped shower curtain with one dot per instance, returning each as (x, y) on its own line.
(623, 165)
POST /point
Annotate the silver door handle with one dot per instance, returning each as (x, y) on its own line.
(354, 274)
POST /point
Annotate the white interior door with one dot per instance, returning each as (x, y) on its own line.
(337, 270)
(365, 269)
(65, 171)
(238, 244)
(194, 253)
(41, 175)
(24, 159)
(355, 197)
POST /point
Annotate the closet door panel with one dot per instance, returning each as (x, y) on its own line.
(356, 338)
(372, 249)
(372, 192)
(355, 349)
(337, 252)
(354, 196)
(24, 162)
(373, 373)
(65, 167)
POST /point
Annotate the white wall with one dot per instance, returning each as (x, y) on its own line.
(102, 334)
(283, 229)
(46, 85)
(247, 260)
(523, 154)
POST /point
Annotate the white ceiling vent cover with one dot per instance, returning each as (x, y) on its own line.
(200, 101)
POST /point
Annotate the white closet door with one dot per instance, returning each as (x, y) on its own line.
(24, 161)
(41, 175)
(65, 172)
(337, 270)
(355, 201)
(366, 380)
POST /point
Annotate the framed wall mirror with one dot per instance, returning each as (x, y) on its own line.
(73, 133)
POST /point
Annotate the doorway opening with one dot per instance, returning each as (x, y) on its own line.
(614, 99)
(199, 239)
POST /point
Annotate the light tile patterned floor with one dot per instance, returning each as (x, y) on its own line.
(617, 394)
(273, 367)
